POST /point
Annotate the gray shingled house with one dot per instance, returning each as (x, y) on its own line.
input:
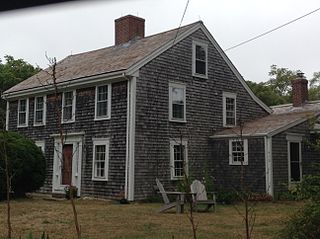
(146, 106)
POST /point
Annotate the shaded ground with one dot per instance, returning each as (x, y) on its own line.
(100, 219)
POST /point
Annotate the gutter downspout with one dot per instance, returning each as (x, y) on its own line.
(7, 116)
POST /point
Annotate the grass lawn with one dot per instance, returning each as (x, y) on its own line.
(100, 219)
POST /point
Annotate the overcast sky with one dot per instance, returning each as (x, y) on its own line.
(69, 28)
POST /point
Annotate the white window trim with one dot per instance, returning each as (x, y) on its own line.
(205, 46)
(109, 103)
(27, 113)
(172, 144)
(41, 144)
(73, 107)
(226, 95)
(106, 142)
(182, 86)
(44, 114)
(245, 151)
(294, 138)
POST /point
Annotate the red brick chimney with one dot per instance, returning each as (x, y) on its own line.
(299, 90)
(127, 28)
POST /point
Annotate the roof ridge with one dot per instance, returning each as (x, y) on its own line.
(153, 35)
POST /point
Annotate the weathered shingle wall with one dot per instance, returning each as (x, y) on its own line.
(203, 107)
(114, 129)
(280, 155)
(228, 177)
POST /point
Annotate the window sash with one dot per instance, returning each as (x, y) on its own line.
(238, 152)
(177, 96)
(39, 110)
(229, 109)
(22, 112)
(178, 159)
(100, 159)
(68, 106)
(200, 59)
(102, 101)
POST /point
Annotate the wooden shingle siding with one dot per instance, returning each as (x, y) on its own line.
(280, 155)
(203, 112)
(114, 129)
(228, 177)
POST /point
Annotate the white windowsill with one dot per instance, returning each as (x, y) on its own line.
(200, 76)
(102, 118)
(22, 126)
(100, 179)
(177, 121)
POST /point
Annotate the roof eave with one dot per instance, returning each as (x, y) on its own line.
(79, 82)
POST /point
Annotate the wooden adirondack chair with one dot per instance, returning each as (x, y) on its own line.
(167, 204)
(201, 197)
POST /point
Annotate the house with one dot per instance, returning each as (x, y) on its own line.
(148, 106)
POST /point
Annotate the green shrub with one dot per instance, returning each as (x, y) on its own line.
(26, 164)
(71, 189)
(226, 196)
(305, 224)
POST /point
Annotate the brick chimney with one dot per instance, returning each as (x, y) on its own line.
(127, 28)
(299, 90)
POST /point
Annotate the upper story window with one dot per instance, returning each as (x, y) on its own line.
(229, 109)
(39, 110)
(178, 159)
(100, 165)
(200, 59)
(177, 102)
(23, 112)
(68, 106)
(238, 152)
(103, 102)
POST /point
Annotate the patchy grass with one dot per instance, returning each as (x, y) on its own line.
(100, 219)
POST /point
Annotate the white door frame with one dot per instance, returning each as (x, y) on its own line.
(294, 138)
(76, 139)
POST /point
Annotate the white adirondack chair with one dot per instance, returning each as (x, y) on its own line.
(201, 197)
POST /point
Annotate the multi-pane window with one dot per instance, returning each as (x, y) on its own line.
(23, 108)
(238, 152)
(177, 101)
(100, 159)
(39, 110)
(178, 158)
(229, 109)
(68, 106)
(200, 56)
(103, 102)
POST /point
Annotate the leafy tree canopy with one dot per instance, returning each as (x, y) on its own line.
(277, 90)
(13, 71)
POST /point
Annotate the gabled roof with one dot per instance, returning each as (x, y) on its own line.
(282, 118)
(123, 59)
(101, 61)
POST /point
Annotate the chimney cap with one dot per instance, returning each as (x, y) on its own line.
(300, 74)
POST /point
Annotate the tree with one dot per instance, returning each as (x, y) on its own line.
(314, 84)
(12, 72)
(266, 93)
(25, 164)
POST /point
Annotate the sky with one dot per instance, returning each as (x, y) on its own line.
(69, 28)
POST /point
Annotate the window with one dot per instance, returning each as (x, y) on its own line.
(100, 159)
(39, 110)
(178, 159)
(294, 158)
(68, 106)
(103, 102)
(238, 152)
(177, 102)
(229, 109)
(200, 59)
(23, 112)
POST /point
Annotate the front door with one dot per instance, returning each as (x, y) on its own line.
(67, 163)
(66, 178)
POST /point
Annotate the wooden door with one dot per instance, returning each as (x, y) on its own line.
(67, 164)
